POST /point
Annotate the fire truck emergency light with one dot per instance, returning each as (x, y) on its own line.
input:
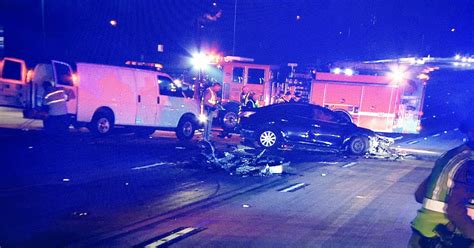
(348, 72)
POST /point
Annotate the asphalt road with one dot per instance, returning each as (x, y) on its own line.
(123, 191)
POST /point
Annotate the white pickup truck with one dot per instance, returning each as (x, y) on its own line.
(108, 96)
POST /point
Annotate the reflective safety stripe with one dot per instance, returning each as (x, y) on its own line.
(213, 99)
(440, 207)
(54, 93)
(470, 212)
(56, 101)
(433, 205)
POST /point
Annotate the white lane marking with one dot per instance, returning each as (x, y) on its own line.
(170, 237)
(294, 187)
(148, 166)
(417, 151)
(436, 135)
(349, 165)
(329, 162)
(413, 142)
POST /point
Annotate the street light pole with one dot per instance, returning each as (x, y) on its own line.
(43, 27)
(235, 26)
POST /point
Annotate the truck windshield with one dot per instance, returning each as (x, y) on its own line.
(11, 70)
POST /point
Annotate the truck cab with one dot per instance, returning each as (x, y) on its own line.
(13, 79)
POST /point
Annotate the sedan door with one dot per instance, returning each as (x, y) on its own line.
(326, 131)
(294, 121)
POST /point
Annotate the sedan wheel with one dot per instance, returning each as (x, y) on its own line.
(268, 139)
(358, 146)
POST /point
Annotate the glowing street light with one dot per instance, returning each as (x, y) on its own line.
(113, 23)
(200, 61)
(398, 74)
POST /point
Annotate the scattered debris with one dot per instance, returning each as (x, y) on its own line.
(242, 160)
(30, 147)
(126, 184)
(66, 179)
(380, 147)
(324, 174)
(180, 148)
(245, 206)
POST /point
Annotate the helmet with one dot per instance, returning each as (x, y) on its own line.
(467, 125)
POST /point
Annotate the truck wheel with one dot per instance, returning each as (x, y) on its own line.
(229, 121)
(269, 138)
(102, 123)
(186, 128)
(358, 145)
(144, 131)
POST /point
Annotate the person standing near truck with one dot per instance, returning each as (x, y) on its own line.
(210, 104)
(447, 216)
(55, 99)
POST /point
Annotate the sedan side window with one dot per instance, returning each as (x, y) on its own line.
(168, 88)
(320, 114)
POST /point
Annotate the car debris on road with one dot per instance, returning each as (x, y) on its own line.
(380, 147)
(242, 160)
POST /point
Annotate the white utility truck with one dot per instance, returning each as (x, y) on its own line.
(108, 96)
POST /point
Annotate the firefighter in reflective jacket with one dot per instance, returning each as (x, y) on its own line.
(446, 218)
(56, 100)
(250, 102)
(244, 95)
(210, 103)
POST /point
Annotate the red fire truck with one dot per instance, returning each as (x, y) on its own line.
(380, 103)
(389, 103)
(236, 73)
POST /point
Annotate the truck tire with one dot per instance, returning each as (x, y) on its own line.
(229, 121)
(358, 145)
(186, 128)
(102, 123)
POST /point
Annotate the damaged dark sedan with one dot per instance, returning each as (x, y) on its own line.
(301, 125)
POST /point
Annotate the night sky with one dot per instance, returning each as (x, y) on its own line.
(270, 31)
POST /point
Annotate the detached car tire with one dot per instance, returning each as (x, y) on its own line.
(358, 145)
(102, 123)
(186, 128)
(269, 138)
